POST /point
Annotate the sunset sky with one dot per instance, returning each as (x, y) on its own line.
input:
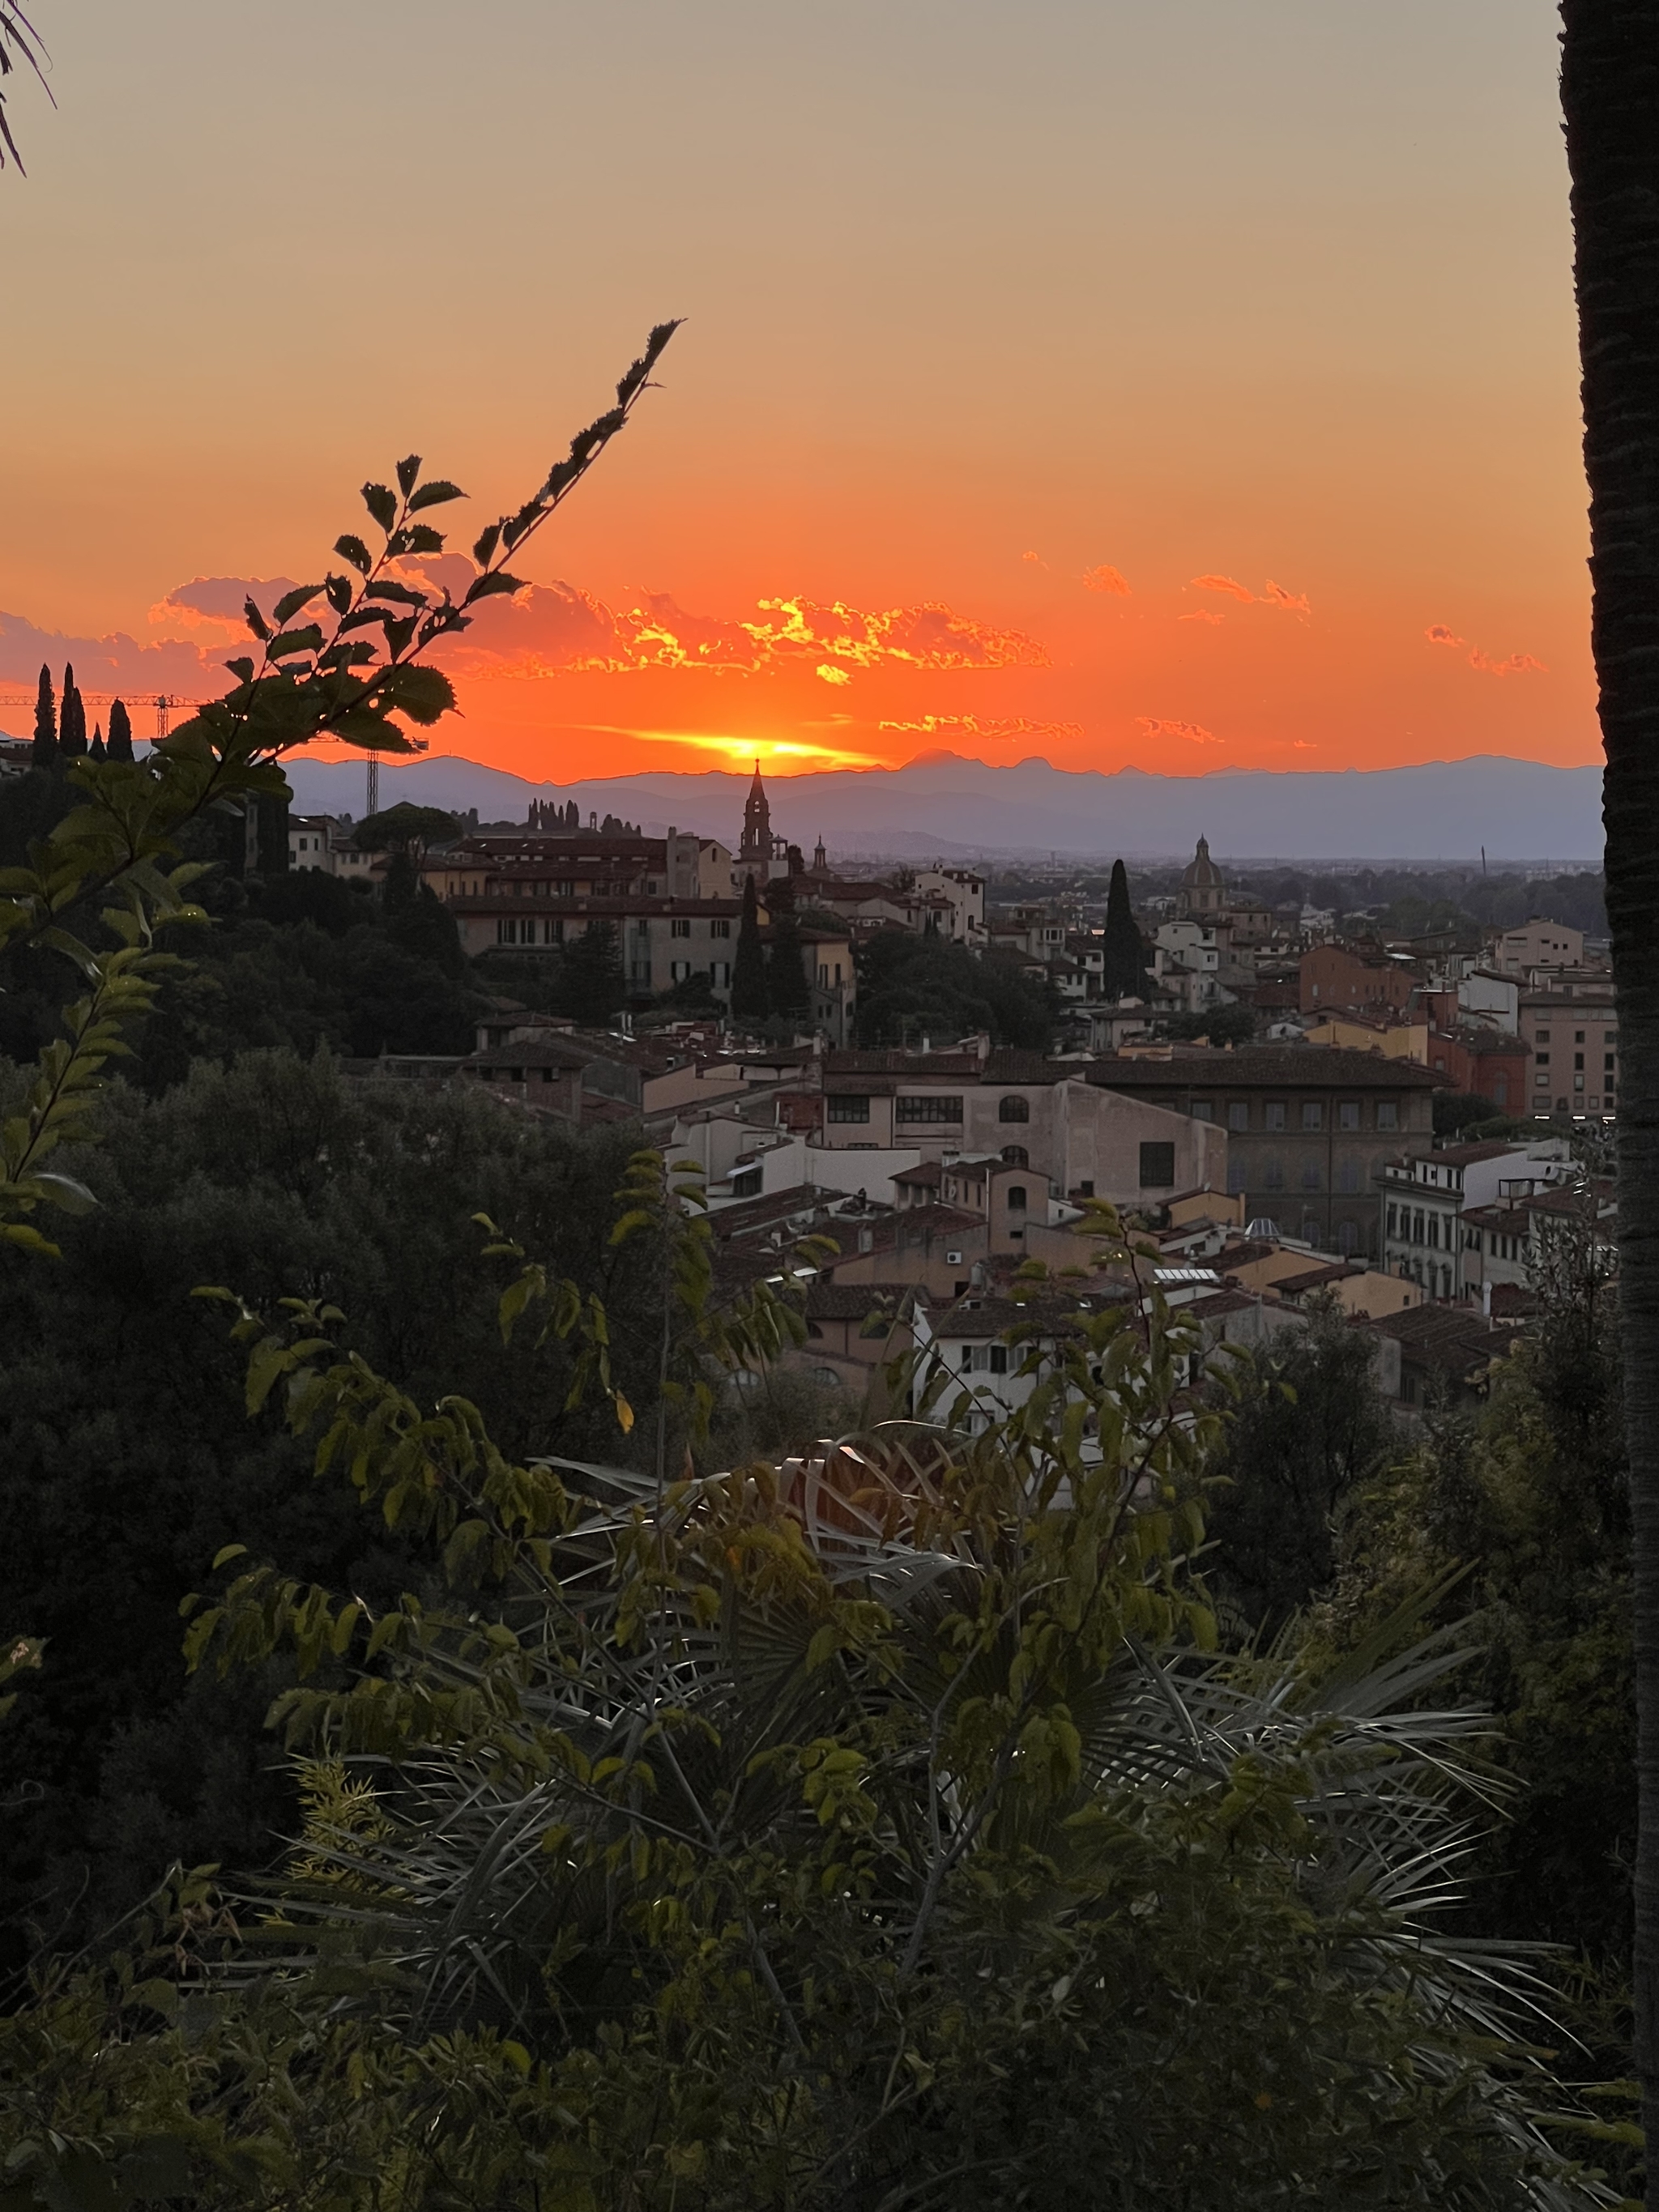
(1189, 385)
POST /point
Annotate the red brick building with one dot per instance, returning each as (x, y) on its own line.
(1486, 1063)
(1334, 978)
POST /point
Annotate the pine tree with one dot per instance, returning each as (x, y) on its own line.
(96, 750)
(750, 997)
(1125, 973)
(120, 741)
(46, 723)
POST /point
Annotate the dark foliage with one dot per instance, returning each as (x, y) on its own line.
(1308, 1425)
(1125, 960)
(910, 987)
(46, 723)
(127, 1459)
(749, 1000)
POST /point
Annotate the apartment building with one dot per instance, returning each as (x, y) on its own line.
(1048, 1115)
(1574, 1044)
(1537, 944)
(321, 842)
(965, 891)
(1309, 1131)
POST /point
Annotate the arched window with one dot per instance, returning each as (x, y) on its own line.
(1016, 1156)
(1015, 1198)
(1014, 1109)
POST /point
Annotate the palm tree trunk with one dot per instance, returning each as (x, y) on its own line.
(1610, 96)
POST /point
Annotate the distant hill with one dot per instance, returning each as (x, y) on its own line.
(944, 803)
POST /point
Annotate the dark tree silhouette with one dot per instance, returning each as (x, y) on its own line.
(96, 751)
(72, 721)
(46, 723)
(1125, 970)
(1610, 97)
(120, 732)
(749, 994)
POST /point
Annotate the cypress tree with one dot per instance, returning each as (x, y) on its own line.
(72, 724)
(46, 723)
(1125, 972)
(750, 997)
(119, 742)
(96, 750)
(788, 994)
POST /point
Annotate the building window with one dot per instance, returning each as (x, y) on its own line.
(998, 1359)
(679, 971)
(1016, 1156)
(1347, 1114)
(841, 1108)
(553, 930)
(1272, 1114)
(1387, 1114)
(1394, 1216)
(1013, 1109)
(1158, 1167)
(1577, 1082)
(1311, 1174)
(1238, 1114)
(930, 1106)
(1203, 1110)
(720, 929)
(1309, 1229)
(1235, 1183)
(967, 1358)
(1312, 1114)
(1542, 1078)
(1275, 1176)
(1348, 1176)
(679, 927)
(1346, 1238)
(1015, 1198)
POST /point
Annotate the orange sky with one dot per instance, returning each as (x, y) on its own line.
(1189, 387)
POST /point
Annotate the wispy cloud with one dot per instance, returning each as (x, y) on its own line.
(1108, 580)
(1275, 595)
(1203, 615)
(990, 729)
(1034, 560)
(1513, 664)
(1153, 726)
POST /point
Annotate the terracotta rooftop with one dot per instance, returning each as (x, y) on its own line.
(1262, 1067)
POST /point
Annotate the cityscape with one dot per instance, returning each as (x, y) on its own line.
(830, 1238)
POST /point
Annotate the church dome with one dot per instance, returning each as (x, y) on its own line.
(1201, 871)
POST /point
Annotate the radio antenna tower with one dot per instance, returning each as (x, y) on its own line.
(372, 795)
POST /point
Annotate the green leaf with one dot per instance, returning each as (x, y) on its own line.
(309, 640)
(354, 549)
(339, 593)
(491, 587)
(63, 1191)
(409, 470)
(242, 669)
(381, 504)
(488, 540)
(401, 593)
(425, 695)
(256, 621)
(291, 602)
(434, 494)
(423, 539)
